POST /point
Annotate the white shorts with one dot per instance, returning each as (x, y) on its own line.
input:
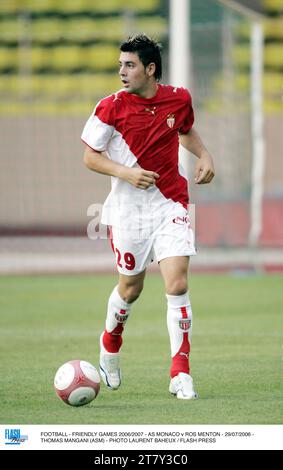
(134, 253)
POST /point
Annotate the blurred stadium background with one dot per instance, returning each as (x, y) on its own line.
(57, 59)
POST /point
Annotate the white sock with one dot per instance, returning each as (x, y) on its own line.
(117, 314)
(179, 323)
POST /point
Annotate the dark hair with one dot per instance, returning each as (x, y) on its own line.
(147, 49)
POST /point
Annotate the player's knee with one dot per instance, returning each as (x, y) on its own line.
(177, 287)
(130, 293)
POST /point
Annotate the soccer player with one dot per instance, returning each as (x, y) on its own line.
(133, 136)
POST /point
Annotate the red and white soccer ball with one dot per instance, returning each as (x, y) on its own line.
(77, 382)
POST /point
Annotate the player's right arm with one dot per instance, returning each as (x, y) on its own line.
(100, 163)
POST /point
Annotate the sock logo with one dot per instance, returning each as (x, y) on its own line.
(185, 324)
(122, 316)
(184, 354)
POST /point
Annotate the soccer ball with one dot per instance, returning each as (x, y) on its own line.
(77, 383)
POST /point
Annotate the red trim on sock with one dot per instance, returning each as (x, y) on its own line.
(180, 362)
(112, 342)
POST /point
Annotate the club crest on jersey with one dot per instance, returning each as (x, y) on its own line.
(121, 317)
(185, 324)
(171, 120)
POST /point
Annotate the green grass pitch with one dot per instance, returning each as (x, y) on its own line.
(236, 355)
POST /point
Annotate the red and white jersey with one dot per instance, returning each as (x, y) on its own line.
(136, 131)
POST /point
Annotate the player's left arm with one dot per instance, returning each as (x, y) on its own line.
(204, 170)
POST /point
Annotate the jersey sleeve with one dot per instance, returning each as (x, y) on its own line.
(99, 127)
(189, 114)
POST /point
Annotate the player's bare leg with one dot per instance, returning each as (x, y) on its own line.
(179, 321)
(130, 287)
(119, 306)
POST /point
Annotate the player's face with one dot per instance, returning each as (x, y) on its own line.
(135, 77)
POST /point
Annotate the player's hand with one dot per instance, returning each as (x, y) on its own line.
(140, 178)
(204, 171)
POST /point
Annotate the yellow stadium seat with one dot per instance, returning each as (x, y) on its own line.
(37, 6)
(66, 58)
(98, 84)
(101, 57)
(79, 29)
(154, 26)
(273, 5)
(72, 6)
(273, 28)
(8, 58)
(273, 82)
(39, 84)
(46, 30)
(10, 6)
(273, 107)
(8, 84)
(273, 55)
(40, 58)
(75, 29)
(242, 55)
(92, 29)
(88, 29)
(10, 30)
(77, 6)
(75, 86)
(242, 81)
